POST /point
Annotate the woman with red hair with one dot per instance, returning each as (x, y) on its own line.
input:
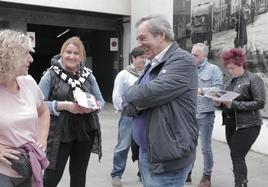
(241, 116)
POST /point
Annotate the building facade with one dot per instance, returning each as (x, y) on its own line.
(107, 28)
(52, 22)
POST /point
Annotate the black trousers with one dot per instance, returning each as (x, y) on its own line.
(79, 153)
(240, 142)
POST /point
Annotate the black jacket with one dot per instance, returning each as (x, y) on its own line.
(252, 98)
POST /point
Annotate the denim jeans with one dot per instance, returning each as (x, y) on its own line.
(205, 129)
(123, 145)
(167, 179)
(146, 176)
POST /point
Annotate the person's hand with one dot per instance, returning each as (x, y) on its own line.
(7, 152)
(75, 108)
(87, 110)
(130, 110)
(228, 104)
(200, 91)
(217, 103)
(42, 144)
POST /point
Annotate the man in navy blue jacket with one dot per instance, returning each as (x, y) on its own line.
(163, 102)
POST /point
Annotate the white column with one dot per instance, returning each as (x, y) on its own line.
(126, 43)
(142, 8)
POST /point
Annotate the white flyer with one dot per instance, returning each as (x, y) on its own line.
(85, 99)
(221, 95)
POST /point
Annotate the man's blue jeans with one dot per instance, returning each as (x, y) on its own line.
(123, 145)
(167, 179)
(205, 129)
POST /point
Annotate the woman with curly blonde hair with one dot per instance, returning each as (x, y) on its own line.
(24, 117)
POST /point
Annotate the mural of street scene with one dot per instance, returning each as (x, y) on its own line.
(225, 24)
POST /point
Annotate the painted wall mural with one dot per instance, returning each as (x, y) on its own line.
(224, 24)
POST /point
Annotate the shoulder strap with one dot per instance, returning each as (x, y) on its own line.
(54, 80)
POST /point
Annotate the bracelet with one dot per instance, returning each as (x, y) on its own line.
(65, 106)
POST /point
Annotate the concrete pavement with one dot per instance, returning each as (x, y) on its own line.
(98, 174)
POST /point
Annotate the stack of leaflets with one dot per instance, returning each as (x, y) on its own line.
(85, 99)
(221, 95)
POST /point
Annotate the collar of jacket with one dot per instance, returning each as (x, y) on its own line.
(203, 64)
(131, 69)
(238, 78)
(169, 52)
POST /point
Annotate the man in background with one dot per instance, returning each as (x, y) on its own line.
(209, 79)
(123, 81)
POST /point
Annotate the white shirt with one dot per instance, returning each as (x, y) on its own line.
(157, 59)
(122, 82)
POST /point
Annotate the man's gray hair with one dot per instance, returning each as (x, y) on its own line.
(202, 47)
(157, 24)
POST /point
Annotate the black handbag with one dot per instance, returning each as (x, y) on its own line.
(23, 165)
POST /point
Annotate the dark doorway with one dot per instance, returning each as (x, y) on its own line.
(97, 43)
